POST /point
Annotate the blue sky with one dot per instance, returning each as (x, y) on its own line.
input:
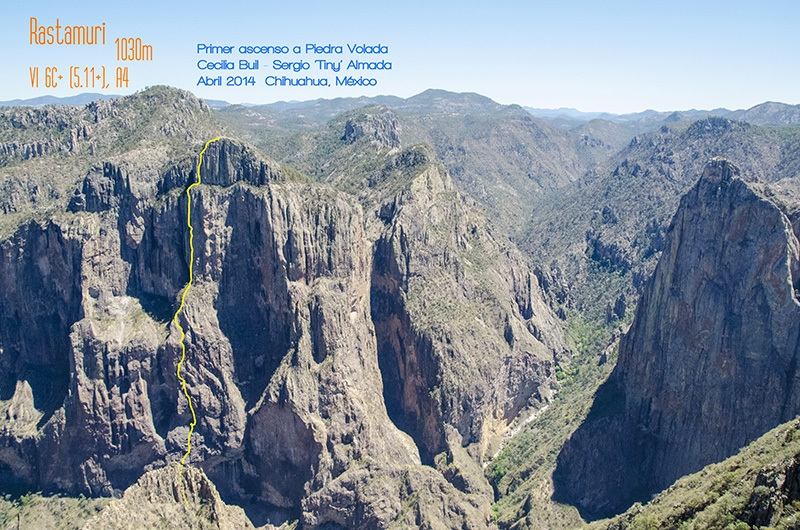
(616, 56)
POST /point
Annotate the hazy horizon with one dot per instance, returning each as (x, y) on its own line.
(619, 57)
(25, 101)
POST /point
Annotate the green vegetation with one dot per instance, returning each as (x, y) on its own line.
(585, 207)
(36, 511)
(520, 474)
(731, 495)
(46, 152)
(293, 175)
(321, 151)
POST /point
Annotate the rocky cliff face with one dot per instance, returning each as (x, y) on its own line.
(156, 501)
(284, 363)
(279, 343)
(465, 341)
(710, 362)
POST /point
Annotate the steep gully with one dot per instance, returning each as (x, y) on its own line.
(280, 339)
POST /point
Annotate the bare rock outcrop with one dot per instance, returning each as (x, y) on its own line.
(280, 346)
(352, 355)
(465, 340)
(378, 124)
(710, 362)
(157, 501)
(282, 361)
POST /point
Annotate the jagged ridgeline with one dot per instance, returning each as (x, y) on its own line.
(356, 346)
(710, 362)
(372, 339)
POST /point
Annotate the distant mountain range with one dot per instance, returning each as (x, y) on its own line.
(769, 113)
(401, 312)
(41, 101)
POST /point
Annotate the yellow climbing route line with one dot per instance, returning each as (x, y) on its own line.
(178, 324)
